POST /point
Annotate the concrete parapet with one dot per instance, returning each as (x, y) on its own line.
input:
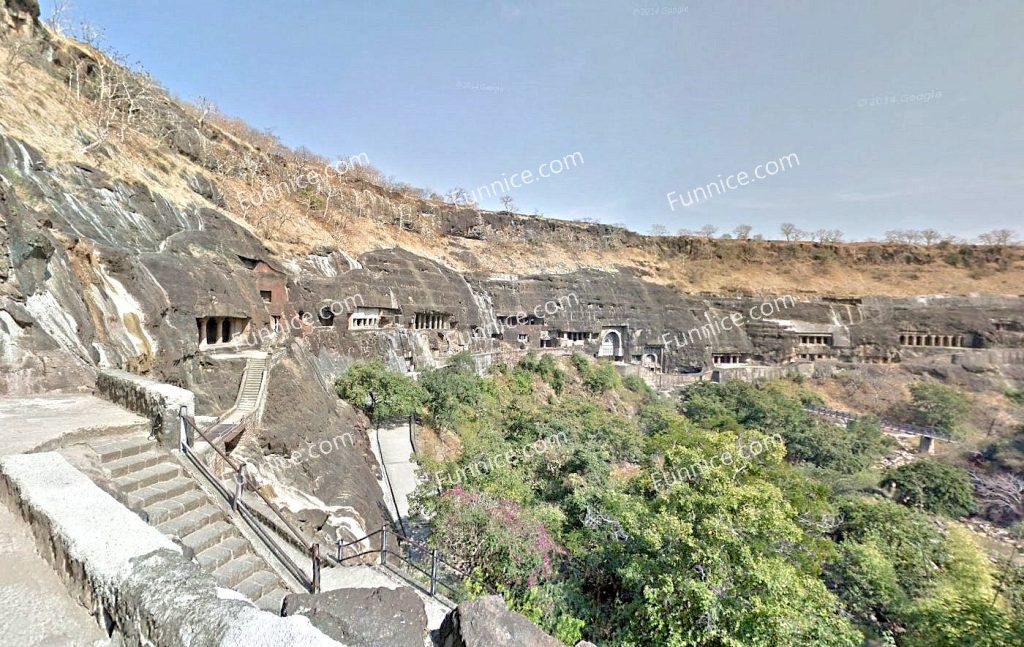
(158, 401)
(131, 575)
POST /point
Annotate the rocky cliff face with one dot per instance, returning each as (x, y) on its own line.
(97, 271)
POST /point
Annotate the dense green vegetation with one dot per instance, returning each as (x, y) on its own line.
(604, 511)
(934, 486)
(940, 406)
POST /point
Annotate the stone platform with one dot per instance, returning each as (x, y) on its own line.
(44, 421)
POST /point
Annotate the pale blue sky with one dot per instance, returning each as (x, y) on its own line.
(657, 96)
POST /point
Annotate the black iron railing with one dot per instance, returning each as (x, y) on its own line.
(412, 560)
(251, 517)
(901, 427)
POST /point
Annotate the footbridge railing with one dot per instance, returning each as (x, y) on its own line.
(423, 567)
(252, 518)
(888, 425)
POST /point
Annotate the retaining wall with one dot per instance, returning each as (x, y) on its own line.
(157, 401)
(132, 576)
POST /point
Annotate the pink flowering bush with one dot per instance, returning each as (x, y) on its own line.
(494, 538)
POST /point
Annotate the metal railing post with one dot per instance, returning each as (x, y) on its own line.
(316, 568)
(384, 546)
(239, 482)
(183, 428)
(433, 572)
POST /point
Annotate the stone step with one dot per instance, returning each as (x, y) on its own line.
(190, 522)
(210, 535)
(163, 471)
(134, 463)
(223, 552)
(174, 508)
(273, 601)
(113, 449)
(258, 584)
(159, 492)
(230, 574)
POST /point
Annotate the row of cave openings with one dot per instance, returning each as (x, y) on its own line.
(220, 330)
(940, 341)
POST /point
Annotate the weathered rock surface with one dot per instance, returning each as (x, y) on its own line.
(364, 617)
(486, 622)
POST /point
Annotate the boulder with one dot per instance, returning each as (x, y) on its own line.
(486, 622)
(364, 617)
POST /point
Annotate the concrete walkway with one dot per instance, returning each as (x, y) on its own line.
(28, 423)
(37, 609)
(395, 453)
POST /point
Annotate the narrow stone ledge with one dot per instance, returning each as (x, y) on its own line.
(158, 401)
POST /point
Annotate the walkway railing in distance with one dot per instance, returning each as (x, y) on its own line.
(244, 511)
(422, 566)
(902, 427)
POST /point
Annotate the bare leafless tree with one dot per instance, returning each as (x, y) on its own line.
(708, 231)
(930, 236)
(997, 237)
(742, 232)
(789, 231)
(659, 230)
(1001, 494)
(508, 202)
(58, 18)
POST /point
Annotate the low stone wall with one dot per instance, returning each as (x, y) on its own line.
(158, 401)
(131, 575)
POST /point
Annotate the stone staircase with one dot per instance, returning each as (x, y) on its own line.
(252, 381)
(148, 478)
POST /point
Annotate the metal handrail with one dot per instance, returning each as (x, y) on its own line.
(918, 430)
(307, 545)
(242, 508)
(436, 558)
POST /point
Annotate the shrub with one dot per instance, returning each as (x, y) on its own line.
(580, 362)
(943, 407)
(933, 486)
(603, 378)
(637, 384)
(494, 537)
(451, 389)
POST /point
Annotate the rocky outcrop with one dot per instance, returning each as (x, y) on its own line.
(486, 622)
(20, 17)
(364, 617)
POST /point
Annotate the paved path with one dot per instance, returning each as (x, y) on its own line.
(395, 453)
(37, 609)
(27, 423)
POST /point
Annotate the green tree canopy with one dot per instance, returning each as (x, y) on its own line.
(943, 407)
(934, 486)
(381, 393)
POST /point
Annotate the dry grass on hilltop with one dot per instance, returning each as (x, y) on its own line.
(74, 114)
